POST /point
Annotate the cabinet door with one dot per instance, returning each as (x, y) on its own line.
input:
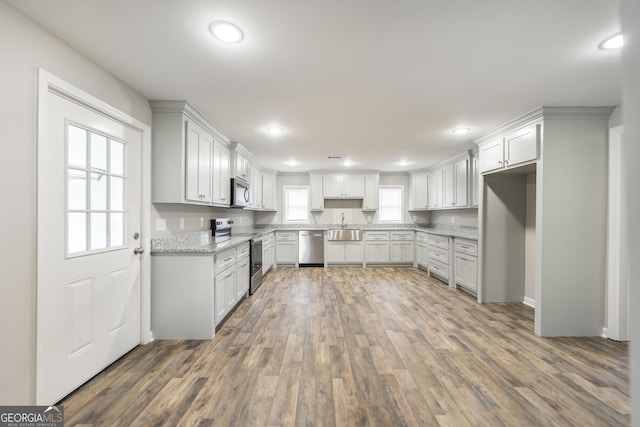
(315, 184)
(286, 252)
(460, 269)
(255, 189)
(224, 293)
(335, 252)
(475, 181)
(472, 273)
(333, 186)
(448, 186)
(241, 169)
(371, 185)
(422, 254)
(521, 146)
(198, 164)
(419, 191)
(268, 191)
(230, 289)
(354, 186)
(243, 275)
(435, 189)
(492, 156)
(353, 253)
(407, 252)
(395, 254)
(221, 180)
(461, 182)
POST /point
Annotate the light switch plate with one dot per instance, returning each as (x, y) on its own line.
(161, 224)
(181, 223)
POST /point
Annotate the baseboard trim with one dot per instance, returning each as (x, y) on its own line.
(605, 332)
(530, 302)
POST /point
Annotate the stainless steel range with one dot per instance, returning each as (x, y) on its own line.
(256, 263)
(221, 229)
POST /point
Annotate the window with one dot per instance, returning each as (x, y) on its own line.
(391, 206)
(95, 192)
(296, 204)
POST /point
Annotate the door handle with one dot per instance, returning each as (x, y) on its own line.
(138, 251)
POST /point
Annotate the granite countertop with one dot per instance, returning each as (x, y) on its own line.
(202, 242)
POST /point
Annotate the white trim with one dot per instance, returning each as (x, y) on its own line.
(605, 332)
(617, 284)
(48, 82)
(530, 302)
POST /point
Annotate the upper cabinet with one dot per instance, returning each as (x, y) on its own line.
(513, 149)
(371, 185)
(315, 190)
(268, 191)
(455, 178)
(435, 189)
(185, 168)
(343, 186)
(255, 188)
(241, 167)
(418, 191)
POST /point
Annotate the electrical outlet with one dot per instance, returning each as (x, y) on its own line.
(161, 224)
(181, 223)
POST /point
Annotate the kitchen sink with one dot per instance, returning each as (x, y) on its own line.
(345, 234)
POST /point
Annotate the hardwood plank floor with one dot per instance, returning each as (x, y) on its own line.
(356, 347)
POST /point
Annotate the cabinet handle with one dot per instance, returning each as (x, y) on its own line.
(499, 162)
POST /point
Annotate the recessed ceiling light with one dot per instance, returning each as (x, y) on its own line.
(402, 163)
(291, 163)
(613, 42)
(226, 31)
(461, 131)
(275, 130)
(347, 163)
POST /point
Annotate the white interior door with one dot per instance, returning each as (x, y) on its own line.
(88, 231)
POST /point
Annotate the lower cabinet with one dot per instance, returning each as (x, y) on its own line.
(377, 252)
(286, 248)
(231, 283)
(268, 252)
(344, 252)
(439, 263)
(243, 277)
(466, 264)
(422, 250)
(401, 247)
(225, 293)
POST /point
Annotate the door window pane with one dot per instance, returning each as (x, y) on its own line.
(77, 232)
(98, 236)
(77, 147)
(117, 158)
(98, 152)
(77, 189)
(117, 194)
(98, 192)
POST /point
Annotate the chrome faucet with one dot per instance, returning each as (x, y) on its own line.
(343, 224)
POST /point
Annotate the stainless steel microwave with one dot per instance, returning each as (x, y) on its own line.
(240, 195)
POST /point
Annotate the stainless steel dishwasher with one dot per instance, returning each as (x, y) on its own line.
(311, 248)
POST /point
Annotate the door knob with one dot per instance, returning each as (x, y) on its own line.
(138, 251)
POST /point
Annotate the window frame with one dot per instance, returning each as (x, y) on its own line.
(285, 189)
(395, 187)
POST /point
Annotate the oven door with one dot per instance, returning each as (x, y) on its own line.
(256, 264)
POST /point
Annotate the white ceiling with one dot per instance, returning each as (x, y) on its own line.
(374, 81)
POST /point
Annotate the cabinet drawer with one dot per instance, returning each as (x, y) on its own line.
(268, 239)
(286, 236)
(225, 260)
(376, 235)
(401, 235)
(439, 268)
(422, 237)
(243, 251)
(469, 247)
(439, 241)
(439, 255)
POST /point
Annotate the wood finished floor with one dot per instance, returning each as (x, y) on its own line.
(356, 347)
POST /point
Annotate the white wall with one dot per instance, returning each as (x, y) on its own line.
(25, 47)
(630, 15)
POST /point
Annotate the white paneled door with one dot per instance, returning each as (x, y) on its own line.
(88, 243)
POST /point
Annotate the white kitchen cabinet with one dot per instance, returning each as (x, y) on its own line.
(422, 250)
(225, 293)
(448, 186)
(460, 183)
(475, 180)
(255, 188)
(439, 263)
(343, 186)
(435, 189)
(199, 163)
(268, 191)
(221, 180)
(268, 252)
(376, 247)
(418, 191)
(513, 149)
(241, 168)
(344, 252)
(466, 263)
(315, 190)
(401, 247)
(182, 162)
(286, 248)
(371, 192)
(243, 277)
